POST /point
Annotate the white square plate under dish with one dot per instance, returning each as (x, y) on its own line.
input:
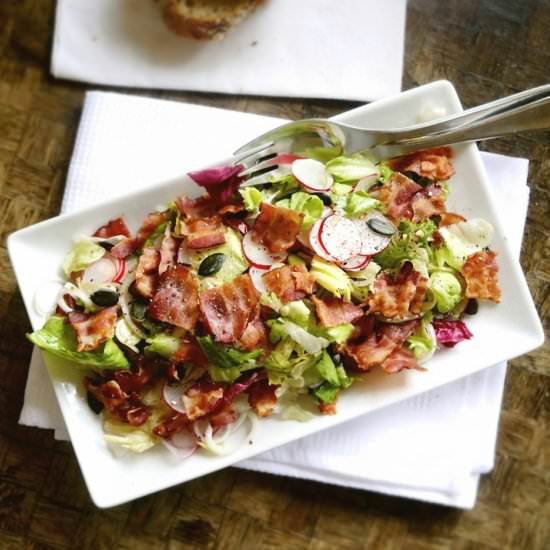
(501, 331)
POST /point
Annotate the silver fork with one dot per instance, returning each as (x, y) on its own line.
(524, 111)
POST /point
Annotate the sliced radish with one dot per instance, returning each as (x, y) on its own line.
(102, 271)
(256, 275)
(283, 158)
(121, 271)
(339, 237)
(182, 444)
(258, 255)
(356, 263)
(372, 242)
(312, 175)
(172, 394)
(315, 244)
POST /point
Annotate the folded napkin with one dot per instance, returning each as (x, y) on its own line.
(305, 48)
(432, 447)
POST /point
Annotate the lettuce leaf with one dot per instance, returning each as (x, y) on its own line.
(359, 203)
(252, 198)
(331, 278)
(59, 338)
(351, 168)
(282, 328)
(310, 206)
(164, 344)
(225, 356)
(328, 391)
(423, 341)
(81, 256)
(446, 289)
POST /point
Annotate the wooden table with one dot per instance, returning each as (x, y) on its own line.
(487, 48)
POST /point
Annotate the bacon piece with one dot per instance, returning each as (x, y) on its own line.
(189, 351)
(481, 274)
(141, 373)
(147, 272)
(262, 398)
(433, 164)
(93, 329)
(112, 228)
(194, 209)
(203, 233)
(150, 223)
(255, 336)
(448, 218)
(171, 425)
(398, 360)
(327, 408)
(124, 248)
(168, 251)
(227, 309)
(397, 195)
(277, 228)
(127, 407)
(176, 300)
(398, 296)
(379, 345)
(201, 398)
(289, 282)
(427, 203)
(332, 311)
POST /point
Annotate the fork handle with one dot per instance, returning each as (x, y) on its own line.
(533, 115)
(471, 115)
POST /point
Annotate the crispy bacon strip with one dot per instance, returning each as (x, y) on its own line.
(397, 195)
(434, 164)
(255, 336)
(398, 360)
(201, 398)
(168, 251)
(398, 296)
(171, 425)
(127, 407)
(227, 309)
(150, 223)
(112, 228)
(289, 282)
(427, 203)
(93, 329)
(177, 299)
(124, 248)
(203, 233)
(277, 228)
(327, 408)
(378, 345)
(332, 311)
(448, 218)
(147, 272)
(189, 351)
(205, 207)
(262, 398)
(481, 274)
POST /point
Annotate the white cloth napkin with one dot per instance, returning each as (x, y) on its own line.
(304, 48)
(432, 447)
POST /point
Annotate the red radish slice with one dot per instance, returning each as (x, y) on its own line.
(102, 271)
(339, 237)
(256, 275)
(182, 444)
(172, 394)
(315, 244)
(121, 271)
(371, 241)
(258, 255)
(312, 175)
(356, 263)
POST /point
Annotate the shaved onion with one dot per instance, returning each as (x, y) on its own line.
(124, 300)
(172, 395)
(79, 295)
(182, 444)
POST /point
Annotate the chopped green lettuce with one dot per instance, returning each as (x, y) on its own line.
(293, 259)
(423, 342)
(81, 256)
(309, 205)
(270, 299)
(252, 198)
(338, 334)
(327, 369)
(351, 168)
(157, 233)
(385, 172)
(234, 264)
(297, 312)
(59, 338)
(331, 278)
(281, 328)
(446, 289)
(164, 344)
(328, 391)
(359, 203)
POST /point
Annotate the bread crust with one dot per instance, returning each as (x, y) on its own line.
(204, 27)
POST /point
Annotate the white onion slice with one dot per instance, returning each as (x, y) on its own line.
(172, 395)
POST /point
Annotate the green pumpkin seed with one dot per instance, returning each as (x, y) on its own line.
(105, 297)
(212, 264)
(381, 227)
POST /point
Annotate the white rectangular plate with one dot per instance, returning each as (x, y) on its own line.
(501, 331)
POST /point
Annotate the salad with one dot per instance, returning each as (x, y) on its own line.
(267, 296)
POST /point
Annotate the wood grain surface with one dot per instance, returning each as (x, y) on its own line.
(487, 48)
